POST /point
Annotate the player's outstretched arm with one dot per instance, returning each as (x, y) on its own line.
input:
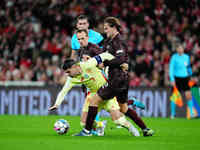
(68, 85)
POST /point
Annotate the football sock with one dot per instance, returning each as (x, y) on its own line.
(92, 112)
(190, 105)
(82, 124)
(123, 122)
(173, 109)
(133, 116)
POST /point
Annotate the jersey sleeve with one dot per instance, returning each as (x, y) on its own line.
(120, 54)
(96, 50)
(93, 62)
(99, 38)
(106, 56)
(189, 68)
(74, 43)
(68, 85)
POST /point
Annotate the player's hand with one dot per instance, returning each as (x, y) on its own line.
(54, 107)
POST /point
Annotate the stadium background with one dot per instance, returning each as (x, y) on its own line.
(35, 39)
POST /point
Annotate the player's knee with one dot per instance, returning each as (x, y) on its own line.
(120, 121)
(115, 114)
(96, 99)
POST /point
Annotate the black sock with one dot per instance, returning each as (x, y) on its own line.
(133, 116)
(92, 112)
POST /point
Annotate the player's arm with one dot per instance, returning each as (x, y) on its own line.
(171, 70)
(96, 50)
(120, 58)
(189, 68)
(111, 61)
(68, 85)
(74, 48)
(100, 40)
(95, 61)
(73, 55)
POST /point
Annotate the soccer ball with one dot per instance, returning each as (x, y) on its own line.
(61, 126)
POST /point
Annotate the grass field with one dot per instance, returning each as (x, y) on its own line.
(36, 133)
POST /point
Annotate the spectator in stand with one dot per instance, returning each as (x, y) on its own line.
(151, 26)
(141, 66)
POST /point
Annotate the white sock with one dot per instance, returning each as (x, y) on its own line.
(125, 123)
(82, 124)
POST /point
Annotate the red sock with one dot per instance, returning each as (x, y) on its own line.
(133, 116)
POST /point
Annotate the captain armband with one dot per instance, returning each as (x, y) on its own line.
(98, 59)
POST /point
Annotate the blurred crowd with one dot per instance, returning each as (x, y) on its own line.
(35, 36)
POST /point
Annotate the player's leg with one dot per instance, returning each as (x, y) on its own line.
(122, 100)
(121, 120)
(182, 85)
(104, 93)
(85, 110)
(98, 127)
(135, 103)
(92, 112)
(173, 109)
(88, 97)
(133, 116)
(188, 96)
(118, 117)
(83, 118)
(98, 123)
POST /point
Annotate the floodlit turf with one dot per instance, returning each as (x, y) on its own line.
(36, 133)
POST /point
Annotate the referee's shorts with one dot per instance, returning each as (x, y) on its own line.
(182, 83)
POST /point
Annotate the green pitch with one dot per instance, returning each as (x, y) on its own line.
(36, 133)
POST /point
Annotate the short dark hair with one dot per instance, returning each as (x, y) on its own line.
(82, 16)
(113, 22)
(82, 30)
(68, 63)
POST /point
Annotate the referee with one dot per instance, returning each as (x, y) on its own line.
(180, 72)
